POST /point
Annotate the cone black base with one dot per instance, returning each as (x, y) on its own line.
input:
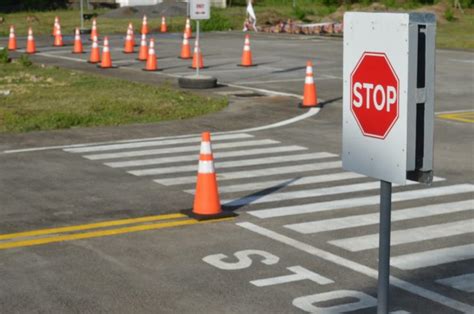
(300, 105)
(157, 70)
(247, 66)
(105, 68)
(78, 53)
(223, 214)
(199, 68)
(185, 58)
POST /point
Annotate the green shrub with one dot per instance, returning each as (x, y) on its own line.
(217, 22)
(449, 15)
(4, 58)
(25, 61)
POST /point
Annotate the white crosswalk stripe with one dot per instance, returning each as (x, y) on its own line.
(433, 257)
(463, 282)
(179, 149)
(194, 157)
(361, 201)
(357, 244)
(259, 186)
(372, 219)
(234, 164)
(195, 139)
(256, 173)
(274, 197)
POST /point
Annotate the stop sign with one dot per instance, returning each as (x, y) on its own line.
(374, 94)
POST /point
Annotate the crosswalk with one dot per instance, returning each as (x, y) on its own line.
(299, 189)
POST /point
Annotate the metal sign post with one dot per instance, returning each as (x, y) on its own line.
(384, 247)
(388, 114)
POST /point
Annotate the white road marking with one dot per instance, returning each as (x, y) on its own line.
(311, 193)
(361, 201)
(311, 112)
(271, 81)
(255, 173)
(44, 54)
(180, 149)
(256, 186)
(372, 219)
(194, 157)
(433, 258)
(267, 91)
(299, 273)
(464, 282)
(362, 269)
(398, 237)
(234, 163)
(155, 143)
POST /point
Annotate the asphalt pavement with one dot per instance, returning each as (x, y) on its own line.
(90, 218)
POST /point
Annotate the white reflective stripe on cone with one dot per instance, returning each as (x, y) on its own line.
(309, 70)
(206, 148)
(309, 80)
(206, 166)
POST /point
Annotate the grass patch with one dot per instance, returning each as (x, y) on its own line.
(47, 98)
(457, 33)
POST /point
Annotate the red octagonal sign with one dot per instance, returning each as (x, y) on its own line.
(374, 94)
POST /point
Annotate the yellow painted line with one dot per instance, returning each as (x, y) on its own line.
(467, 116)
(89, 226)
(104, 233)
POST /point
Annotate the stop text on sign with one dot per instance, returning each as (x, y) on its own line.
(374, 94)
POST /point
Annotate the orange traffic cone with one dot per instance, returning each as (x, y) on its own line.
(187, 28)
(106, 57)
(164, 27)
(55, 26)
(145, 25)
(132, 34)
(185, 48)
(94, 31)
(77, 42)
(151, 62)
(310, 98)
(30, 44)
(129, 44)
(143, 52)
(206, 199)
(12, 39)
(198, 61)
(247, 54)
(95, 53)
(58, 39)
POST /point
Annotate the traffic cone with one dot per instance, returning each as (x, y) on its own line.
(77, 42)
(143, 52)
(145, 25)
(55, 26)
(132, 34)
(185, 48)
(206, 199)
(30, 44)
(129, 44)
(12, 39)
(95, 53)
(197, 56)
(310, 98)
(151, 62)
(94, 31)
(58, 39)
(187, 28)
(106, 58)
(246, 54)
(164, 27)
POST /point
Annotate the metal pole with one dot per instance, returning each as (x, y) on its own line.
(199, 47)
(384, 247)
(82, 14)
